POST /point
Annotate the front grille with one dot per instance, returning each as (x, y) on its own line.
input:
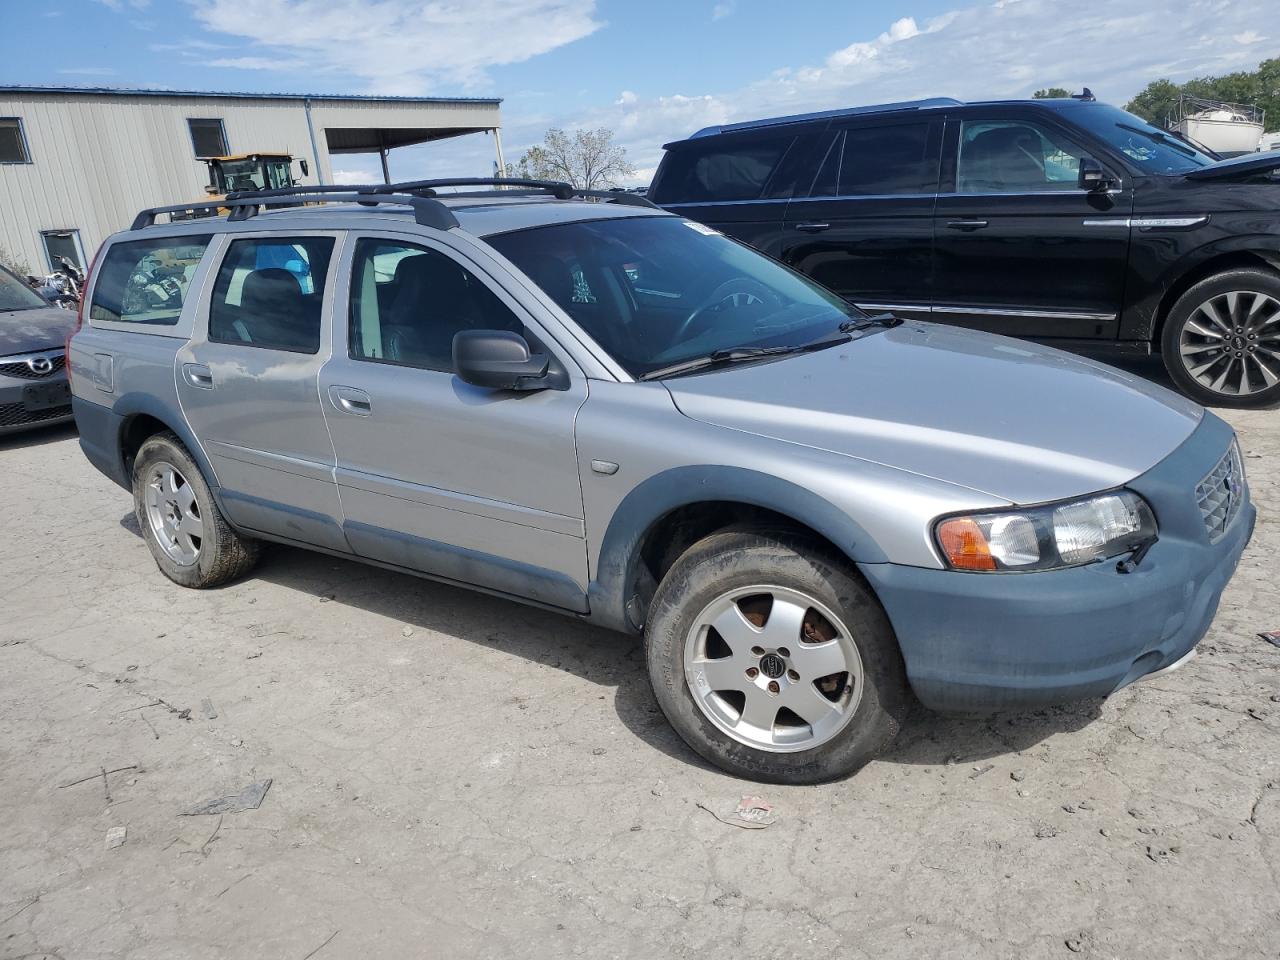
(15, 414)
(1221, 493)
(22, 369)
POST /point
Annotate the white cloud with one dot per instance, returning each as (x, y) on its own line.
(90, 71)
(346, 177)
(396, 46)
(1248, 37)
(722, 10)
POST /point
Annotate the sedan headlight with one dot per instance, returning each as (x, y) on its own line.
(1047, 537)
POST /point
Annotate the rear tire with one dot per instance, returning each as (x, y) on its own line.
(1221, 340)
(820, 643)
(192, 543)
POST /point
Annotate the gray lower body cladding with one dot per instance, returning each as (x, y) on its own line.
(983, 642)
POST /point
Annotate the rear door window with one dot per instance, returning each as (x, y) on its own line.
(875, 161)
(269, 293)
(146, 281)
(723, 169)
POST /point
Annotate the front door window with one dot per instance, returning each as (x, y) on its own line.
(1013, 156)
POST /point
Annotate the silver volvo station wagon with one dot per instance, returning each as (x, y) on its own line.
(587, 404)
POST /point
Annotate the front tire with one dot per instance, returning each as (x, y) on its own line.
(193, 545)
(1221, 340)
(773, 660)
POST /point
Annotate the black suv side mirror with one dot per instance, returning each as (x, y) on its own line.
(498, 359)
(1093, 177)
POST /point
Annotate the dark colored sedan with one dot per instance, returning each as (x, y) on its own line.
(33, 375)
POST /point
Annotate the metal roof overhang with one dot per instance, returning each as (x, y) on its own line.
(375, 139)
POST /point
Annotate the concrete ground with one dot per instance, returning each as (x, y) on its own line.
(456, 776)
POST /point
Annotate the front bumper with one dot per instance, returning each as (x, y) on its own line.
(24, 400)
(981, 642)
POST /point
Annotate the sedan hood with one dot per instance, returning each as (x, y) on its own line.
(1014, 420)
(28, 331)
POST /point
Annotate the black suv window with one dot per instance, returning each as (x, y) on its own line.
(408, 301)
(874, 161)
(730, 168)
(269, 292)
(1011, 156)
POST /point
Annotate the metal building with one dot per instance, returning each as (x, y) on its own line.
(77, 163)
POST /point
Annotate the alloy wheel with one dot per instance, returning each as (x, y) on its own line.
(1231, 343)
(773, 668)
(173, 514)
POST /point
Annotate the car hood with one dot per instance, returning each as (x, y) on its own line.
(1244, 165)
(1012, 419)
(27, 331)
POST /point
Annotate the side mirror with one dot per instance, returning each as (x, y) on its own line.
(1093, 178)
(302, 165)
(499, 360)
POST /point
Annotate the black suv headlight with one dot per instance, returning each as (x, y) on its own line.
(1048, 537)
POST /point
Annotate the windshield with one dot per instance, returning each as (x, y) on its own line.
(242, 175)
(656, 291)
(16, 295)
(1153, 150)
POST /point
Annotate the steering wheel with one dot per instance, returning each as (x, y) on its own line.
(730, 290)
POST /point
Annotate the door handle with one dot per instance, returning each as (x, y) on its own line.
(811, 227)
(967, 225)
(350, 400)
(198, 375)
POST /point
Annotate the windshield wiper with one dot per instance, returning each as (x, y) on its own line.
(1158, 137)
(854, 324)
(717, 358)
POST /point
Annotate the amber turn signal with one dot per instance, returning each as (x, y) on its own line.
(965, 545)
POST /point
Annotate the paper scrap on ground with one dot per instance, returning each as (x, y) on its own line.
(250, 798)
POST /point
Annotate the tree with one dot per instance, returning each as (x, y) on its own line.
(1053, 93)
(588, 159)
(1259, 88)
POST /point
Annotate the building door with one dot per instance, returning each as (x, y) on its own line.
(62, 243)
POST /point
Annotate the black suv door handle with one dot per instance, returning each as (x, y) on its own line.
(967, 225)
(812, 227)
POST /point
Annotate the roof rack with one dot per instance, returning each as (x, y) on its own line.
(427, 211)
(427, 188)
(824, 115)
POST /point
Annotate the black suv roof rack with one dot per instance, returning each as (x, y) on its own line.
(419, 194)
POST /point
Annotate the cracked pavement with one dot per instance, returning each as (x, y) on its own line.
(454, 775)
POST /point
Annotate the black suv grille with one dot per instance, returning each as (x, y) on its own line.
(1221, 493)
(22, 369)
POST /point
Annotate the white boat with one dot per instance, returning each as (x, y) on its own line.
(1228, 129)
(1269, 141)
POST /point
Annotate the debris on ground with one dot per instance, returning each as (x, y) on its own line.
(979, 771)
(752, 813)
(103, 773)
(116, 837)
(407, 632)
(207, 709)
(1273, 637)
(1018, 775)
(250, 798)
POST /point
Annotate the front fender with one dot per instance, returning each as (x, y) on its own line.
(658, 495)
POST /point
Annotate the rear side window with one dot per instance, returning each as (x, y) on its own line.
(269, 293)
(874, 161)
(723, 169)
(146, 281)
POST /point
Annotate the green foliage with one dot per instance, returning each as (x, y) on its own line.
(1260, 88)
(14, 262)
(1053, 93)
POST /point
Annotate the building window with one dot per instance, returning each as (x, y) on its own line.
(60, 244)
(208, 138)
(13, 142)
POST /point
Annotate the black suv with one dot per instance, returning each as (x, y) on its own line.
(1067, 221)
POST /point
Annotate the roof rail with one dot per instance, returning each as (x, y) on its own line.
(427, 188)
(824, 115)
(427, 211)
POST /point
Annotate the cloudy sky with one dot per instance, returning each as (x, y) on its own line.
(652, 71)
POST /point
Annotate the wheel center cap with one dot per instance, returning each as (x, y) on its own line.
(1238, 342)
(772, 666)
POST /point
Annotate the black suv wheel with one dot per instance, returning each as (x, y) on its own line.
(1221, 342)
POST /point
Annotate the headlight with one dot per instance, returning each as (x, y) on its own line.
(1047, 537)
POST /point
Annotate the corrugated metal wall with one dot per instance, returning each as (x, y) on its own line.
(97, 159)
